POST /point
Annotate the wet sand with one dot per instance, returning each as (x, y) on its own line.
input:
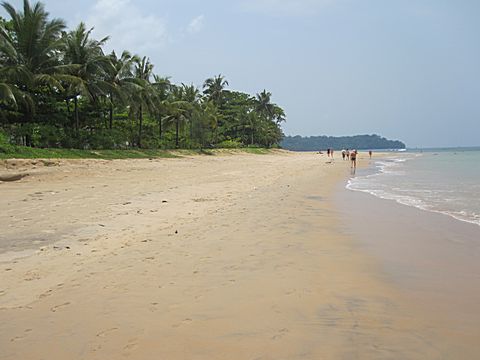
(431, 257)
(212, 257)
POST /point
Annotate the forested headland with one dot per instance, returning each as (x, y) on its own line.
(359, 142)
(60, 89)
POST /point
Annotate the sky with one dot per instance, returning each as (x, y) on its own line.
(405, 69)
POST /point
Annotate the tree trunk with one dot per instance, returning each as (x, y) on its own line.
(110, 114)
(177, 125)
(77, 121)
(140, 127)
(191, 133)
(160, 127)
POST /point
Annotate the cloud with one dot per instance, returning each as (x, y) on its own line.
(196, 25)
(285, 7)
(128, 26)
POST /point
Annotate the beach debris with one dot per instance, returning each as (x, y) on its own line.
(164, 201)
(101, 225)
(49, 163)
(12, 177)
(127, 203)
(176, 231)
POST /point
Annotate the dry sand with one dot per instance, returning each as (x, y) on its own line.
(205, 257)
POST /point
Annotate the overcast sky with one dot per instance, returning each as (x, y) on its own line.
(404, 69)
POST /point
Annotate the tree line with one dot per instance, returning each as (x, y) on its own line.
(58, 88)
(359, 142)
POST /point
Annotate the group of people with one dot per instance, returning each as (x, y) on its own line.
(348, 155)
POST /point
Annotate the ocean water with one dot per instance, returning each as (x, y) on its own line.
(439, 180)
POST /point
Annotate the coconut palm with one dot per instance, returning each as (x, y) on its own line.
(214, 87)
(278, 114)
(11, 73)
(176, 108)
(89, 66)
(34, 42)
(264, 105)
(162, 87)
(120, 77)
(191, 96)
(144, 96)
(29, 52)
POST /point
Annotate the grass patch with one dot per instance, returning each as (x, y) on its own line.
(21, 152)
(258, 151)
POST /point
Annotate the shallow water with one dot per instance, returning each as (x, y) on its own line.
(442, 180)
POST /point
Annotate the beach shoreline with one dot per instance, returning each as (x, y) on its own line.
(432, 257)
(237, 257)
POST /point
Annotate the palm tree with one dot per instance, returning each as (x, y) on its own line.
(120, 77)
(34, 41)
(162, 87)
(214, 87)
(278, 114)
(210, 117)
(144, 98)
(264, 105)
(10, 94)
(191, 96)
(30, 55)
(176, 107)
(89, 66)
(11, 73)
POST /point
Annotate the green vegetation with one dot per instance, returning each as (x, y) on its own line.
(58, 89)
(9, 151)
(24, 152)
(359, 142)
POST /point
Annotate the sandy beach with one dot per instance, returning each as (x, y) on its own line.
(204, 257)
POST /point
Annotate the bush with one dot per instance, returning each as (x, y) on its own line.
(46, 136)
(5, 146)
(230, 144)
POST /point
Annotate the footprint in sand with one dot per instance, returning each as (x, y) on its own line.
(106, 332)
(154, 306)
(131, 345)
(55, 308)
(280, 334)
(21, 337)
(45, 294)
(184, 322)
(32, 275)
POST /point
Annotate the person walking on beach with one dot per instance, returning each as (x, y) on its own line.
(347, 154)
(343, 154)
(370, 153)
(328, 152)
(353, 158)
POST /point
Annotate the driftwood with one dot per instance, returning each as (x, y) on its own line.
(12, 177)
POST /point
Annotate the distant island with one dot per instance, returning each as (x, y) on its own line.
(359, 142)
